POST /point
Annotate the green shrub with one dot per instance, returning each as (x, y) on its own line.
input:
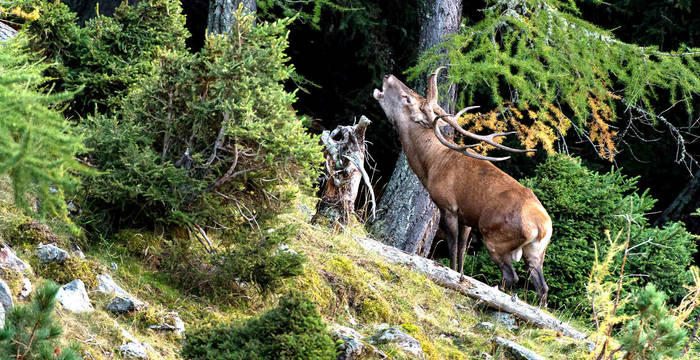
(32, 331)
(583, 204)
(293, 330)
(226, 108)
(210, 139)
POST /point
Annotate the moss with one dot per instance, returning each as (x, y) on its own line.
(142, 243)
(69, 270)
(374, 310)
(13, 279)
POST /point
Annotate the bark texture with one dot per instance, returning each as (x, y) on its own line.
(6, 32)
(686, 203)
(472, 288)
(220, 20)
(406, 217)
(344, 151)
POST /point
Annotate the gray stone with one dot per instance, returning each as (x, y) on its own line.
(127, 336)
(516, 350)
(505, 319)
(386, 334)
(26, 288)
(8, 260)
(283, 248)
(172, 323)
(74, 297)
(352, 345)
(77, 252)
(5, 296)
(121, 304)
(485, 325)
(133, 350)
(107, 286)
(51, 253)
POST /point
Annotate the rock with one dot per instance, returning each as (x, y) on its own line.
(113, 266)
(172, 323)
(73, 297)
(352, 345)
(505, 319)
(121, 304)
(516, 350)
(386, 334)
(590, 345)
(127, 336)
(5, 296)
(133, 350)
(485, 325)
(51, 253)
(78, 252)
(2, 317)
(283, 248)
(8, 260)
(26, 288)
(107, 286)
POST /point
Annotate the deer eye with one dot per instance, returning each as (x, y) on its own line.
(406, 99)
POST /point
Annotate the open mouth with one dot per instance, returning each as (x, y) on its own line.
(378, 94)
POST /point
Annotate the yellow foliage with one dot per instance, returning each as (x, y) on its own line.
(540, 127)
(17, 11)
(600, 132)
(690, 301)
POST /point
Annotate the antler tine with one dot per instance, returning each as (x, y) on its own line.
(432, 95)
(462, 149)
(489, 139)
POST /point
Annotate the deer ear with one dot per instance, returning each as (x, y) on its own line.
(419, 116)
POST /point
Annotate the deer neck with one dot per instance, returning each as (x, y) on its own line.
(420, 146)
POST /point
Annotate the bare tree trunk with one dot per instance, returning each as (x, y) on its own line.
(687, 201)
(344, 150)
(406, 217)
(220, 19)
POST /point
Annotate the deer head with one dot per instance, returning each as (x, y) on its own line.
(403, 106)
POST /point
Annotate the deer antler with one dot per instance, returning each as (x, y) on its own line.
(450, 119)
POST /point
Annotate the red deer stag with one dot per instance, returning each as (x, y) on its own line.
(469, 190)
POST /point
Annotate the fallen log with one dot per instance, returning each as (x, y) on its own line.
(472, 288)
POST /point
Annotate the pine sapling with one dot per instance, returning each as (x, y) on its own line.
(31, 332)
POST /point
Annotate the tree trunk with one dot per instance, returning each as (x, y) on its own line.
(344, 151)
(220, 20)
(406, 217)
(686, 203)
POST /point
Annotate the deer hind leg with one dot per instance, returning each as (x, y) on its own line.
(534, 256)
(451, 224)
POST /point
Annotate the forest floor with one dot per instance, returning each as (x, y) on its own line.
(352, 287)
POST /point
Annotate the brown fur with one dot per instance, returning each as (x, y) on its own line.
(469, 192)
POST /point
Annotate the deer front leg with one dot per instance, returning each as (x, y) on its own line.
(510, 277)
(451, 224)
(464, 232)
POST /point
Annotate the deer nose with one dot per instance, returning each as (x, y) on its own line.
(386, 76)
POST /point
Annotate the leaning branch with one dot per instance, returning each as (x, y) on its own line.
(472, 288)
